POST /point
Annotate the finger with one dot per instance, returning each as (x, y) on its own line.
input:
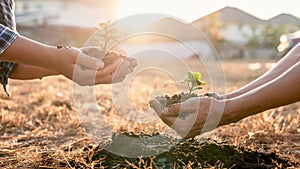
(189, 106)
(104, 80)
(93, 51)
(169, 120)
(173, 110)
(109, 79)
(189, 135)
(183, 128)
(110, 58)
(133, 61)
(125, 65)
(109, 69)
(89, 62)
(156, 106)
(193, 133)
(123, 69)
(84, 76)
(118, 78)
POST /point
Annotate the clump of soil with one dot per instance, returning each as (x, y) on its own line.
(185, 153)
(167, 101)
(107, 57)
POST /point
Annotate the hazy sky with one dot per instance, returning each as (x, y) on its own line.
(191, 10)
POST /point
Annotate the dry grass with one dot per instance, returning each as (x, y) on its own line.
(39, 126)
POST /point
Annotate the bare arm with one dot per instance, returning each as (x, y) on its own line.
(285, 63)
(280, 91)
(28, 52)
(28, 72)
(50, 60)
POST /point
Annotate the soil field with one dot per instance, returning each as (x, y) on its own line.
(39, 128)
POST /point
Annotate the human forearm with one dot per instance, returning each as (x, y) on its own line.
(205, 112)
(63, 61)
(285, 63)
(28, 72)
(281, 91)
(29, 52)
(69, 62)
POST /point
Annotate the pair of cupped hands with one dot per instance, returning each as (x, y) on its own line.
(91, 67)
(194, 116)
(201, 115)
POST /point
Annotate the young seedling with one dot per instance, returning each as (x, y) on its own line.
(107, 35)
(193, 81)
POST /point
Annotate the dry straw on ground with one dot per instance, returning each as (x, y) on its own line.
(39, 126)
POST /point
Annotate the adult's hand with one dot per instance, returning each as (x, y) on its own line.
(192, 117)
(69, 62)
(89, 70)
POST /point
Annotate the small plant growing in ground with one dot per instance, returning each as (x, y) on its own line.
(194, 81)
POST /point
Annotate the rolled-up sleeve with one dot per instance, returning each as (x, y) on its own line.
(7, 37)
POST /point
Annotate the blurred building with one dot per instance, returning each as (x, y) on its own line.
(79, 13)
(237, 25)
(284, 19)
(240, 29)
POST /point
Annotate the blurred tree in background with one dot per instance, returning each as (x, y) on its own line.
(269, 35)
(213, 28)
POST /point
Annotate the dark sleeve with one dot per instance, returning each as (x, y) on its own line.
(7, 37)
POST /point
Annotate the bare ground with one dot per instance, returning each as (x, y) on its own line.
(39, 127)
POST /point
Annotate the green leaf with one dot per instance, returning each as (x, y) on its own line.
(103, 25)
(191, 75)
(194, 83)
(197, 76)
(201, 83)
(197, 88)
(193, 80)
(188, 77)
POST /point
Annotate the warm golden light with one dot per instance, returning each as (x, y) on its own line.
(194, 9)
(283, 38)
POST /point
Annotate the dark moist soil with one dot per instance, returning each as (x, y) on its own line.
(183, 153)
(167, 101)
(107, 57)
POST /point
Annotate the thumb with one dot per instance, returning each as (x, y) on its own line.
(188, 106)
(89, 62)
(173, 110)
(157, 107)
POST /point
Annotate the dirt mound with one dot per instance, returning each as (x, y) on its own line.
(185, 153)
